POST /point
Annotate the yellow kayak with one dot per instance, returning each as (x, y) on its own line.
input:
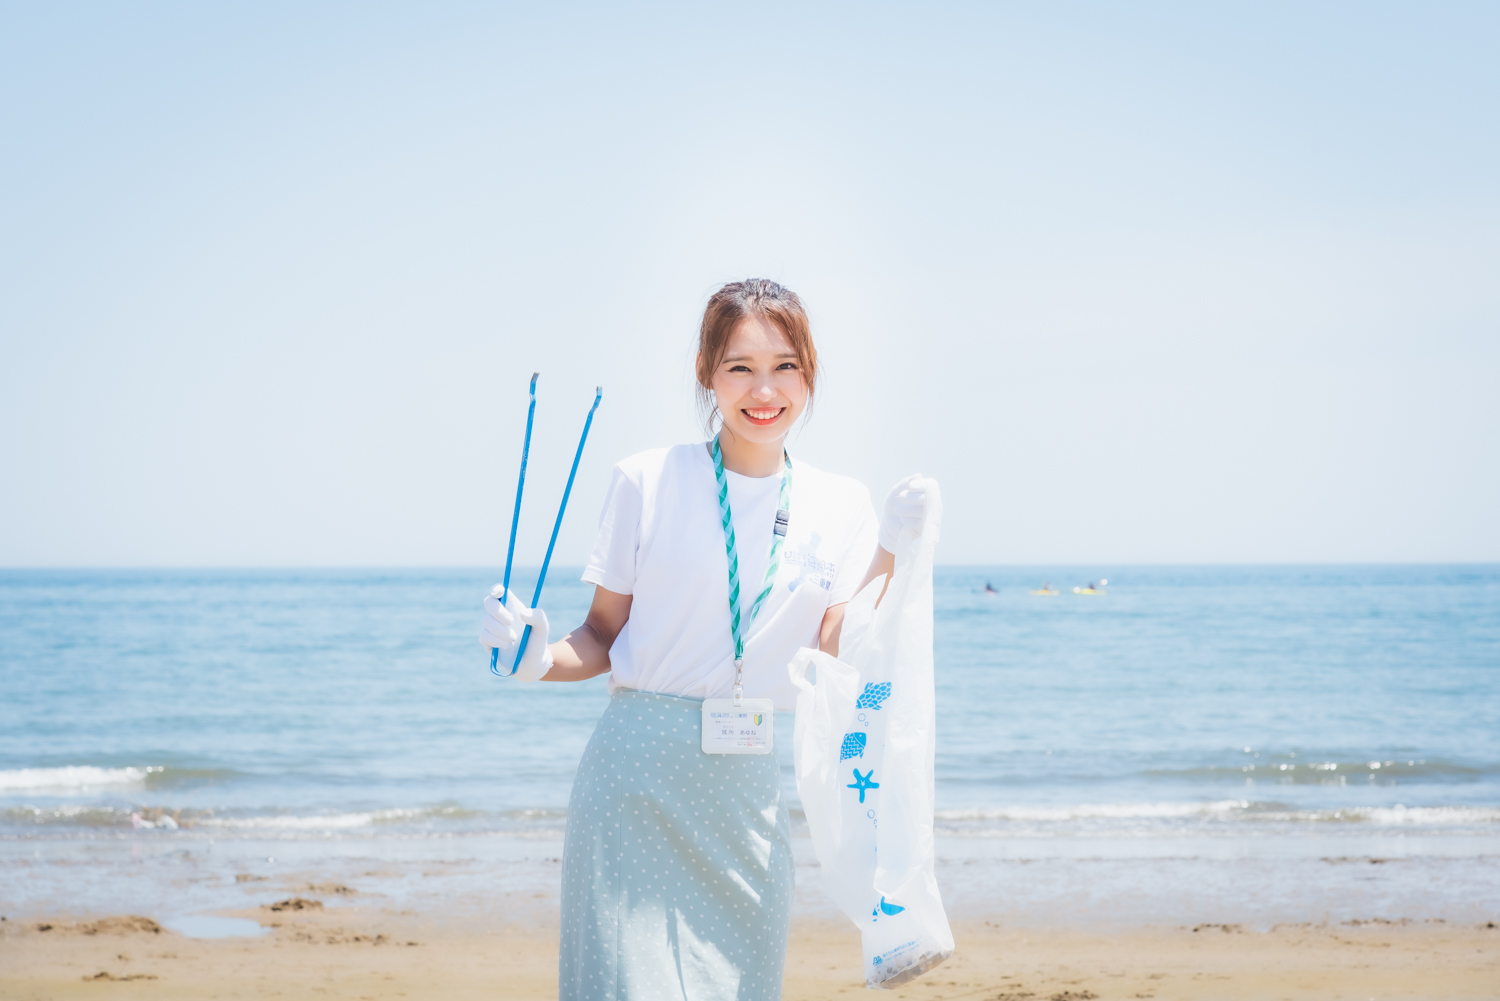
(1088, 590)
(1045, 591)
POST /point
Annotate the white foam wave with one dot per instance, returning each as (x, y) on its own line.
(316, 822)
(69, 813)
(1393, 816)
(1107, 811)
(1239, 810)
(72, 777)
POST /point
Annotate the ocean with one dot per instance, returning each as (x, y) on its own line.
(1287, 719)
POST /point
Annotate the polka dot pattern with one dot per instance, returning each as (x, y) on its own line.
(677, 865)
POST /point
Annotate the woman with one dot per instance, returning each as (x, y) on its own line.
(677, 867)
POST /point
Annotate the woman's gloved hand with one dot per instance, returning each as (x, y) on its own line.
(502, 628)
(905, 508)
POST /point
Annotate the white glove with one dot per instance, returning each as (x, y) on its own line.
(502, 629)
(905, 508)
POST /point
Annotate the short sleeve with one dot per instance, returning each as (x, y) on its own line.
(859, 548)
(612, 563)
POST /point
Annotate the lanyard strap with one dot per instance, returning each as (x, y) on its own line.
(783, 516)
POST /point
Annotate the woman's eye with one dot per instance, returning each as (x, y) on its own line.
(787, 366)
(739, 368)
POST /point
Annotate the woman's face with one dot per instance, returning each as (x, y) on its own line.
(758, 384)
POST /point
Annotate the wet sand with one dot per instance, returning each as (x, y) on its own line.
(350, 949)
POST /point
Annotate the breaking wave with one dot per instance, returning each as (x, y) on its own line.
(1228, 810)
(274, 822)
(74, 779)
(1329, 772)
(335, 821)
(1392, 816)
(1109, 811)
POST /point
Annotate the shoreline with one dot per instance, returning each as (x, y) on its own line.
(371, 952)
(1097, 885)
(340, 920)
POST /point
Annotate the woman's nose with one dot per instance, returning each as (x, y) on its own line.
(764, 390)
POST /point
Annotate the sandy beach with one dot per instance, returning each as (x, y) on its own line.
(478, 918)
(336, 948)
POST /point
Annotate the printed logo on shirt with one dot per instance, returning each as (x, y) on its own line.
(811, 568)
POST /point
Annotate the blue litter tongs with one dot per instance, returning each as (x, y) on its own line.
(516, 517)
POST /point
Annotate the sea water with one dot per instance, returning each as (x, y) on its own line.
(1266, 714)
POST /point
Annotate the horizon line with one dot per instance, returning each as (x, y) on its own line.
(579, 566)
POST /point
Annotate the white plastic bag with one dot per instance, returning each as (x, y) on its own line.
(863, 754)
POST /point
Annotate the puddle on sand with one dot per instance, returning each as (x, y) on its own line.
(208, 926)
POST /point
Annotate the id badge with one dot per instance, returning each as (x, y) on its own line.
(746, 728)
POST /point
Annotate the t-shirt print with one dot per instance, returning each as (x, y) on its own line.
(811, 567)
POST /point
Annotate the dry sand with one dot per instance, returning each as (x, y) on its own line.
(359, 951)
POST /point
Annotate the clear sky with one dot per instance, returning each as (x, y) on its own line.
(1137, 282)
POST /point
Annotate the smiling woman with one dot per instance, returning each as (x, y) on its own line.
(715, 562)
(750, 322)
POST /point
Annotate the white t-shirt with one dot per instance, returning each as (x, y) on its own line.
(661, 541)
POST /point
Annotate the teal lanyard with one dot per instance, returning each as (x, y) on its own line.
(783, 516)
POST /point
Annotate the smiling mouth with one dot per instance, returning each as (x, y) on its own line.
(762, 417)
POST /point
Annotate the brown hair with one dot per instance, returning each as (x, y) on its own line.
(731, 304)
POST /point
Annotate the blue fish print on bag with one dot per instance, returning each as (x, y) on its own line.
(854, 746)
(887, 909)
(874, 695)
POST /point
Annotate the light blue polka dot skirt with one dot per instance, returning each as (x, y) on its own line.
(677, 869)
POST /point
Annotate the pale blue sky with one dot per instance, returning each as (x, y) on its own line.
(1137, 282)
